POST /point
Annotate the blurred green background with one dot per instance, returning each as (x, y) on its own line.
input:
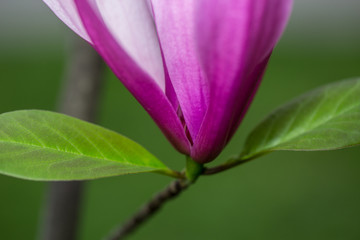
(286, 195)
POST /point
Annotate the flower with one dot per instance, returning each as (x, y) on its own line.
(194, 65)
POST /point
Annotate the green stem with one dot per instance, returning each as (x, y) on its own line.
(193, 169)
(227, 165)
(172, 173)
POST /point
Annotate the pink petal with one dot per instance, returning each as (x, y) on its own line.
(235, 39)
(175, 22)
(138, 82)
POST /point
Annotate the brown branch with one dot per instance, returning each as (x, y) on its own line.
(79, 99)
(149, 209)
(154, 205)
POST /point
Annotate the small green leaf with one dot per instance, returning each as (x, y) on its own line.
(42, 145)
(327, 118)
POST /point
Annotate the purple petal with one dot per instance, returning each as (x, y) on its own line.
(235, 39)
(255, 79)
(175, 22)
(67, 12)
(139, 83)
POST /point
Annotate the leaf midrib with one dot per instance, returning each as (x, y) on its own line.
(271, 147)
(73, 153)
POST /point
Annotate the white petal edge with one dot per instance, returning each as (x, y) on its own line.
(67, 12)
(132, 25)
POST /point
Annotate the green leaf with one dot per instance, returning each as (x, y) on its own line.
(42, 145)
(327, 118)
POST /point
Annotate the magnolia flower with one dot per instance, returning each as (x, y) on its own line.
(194, 65)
